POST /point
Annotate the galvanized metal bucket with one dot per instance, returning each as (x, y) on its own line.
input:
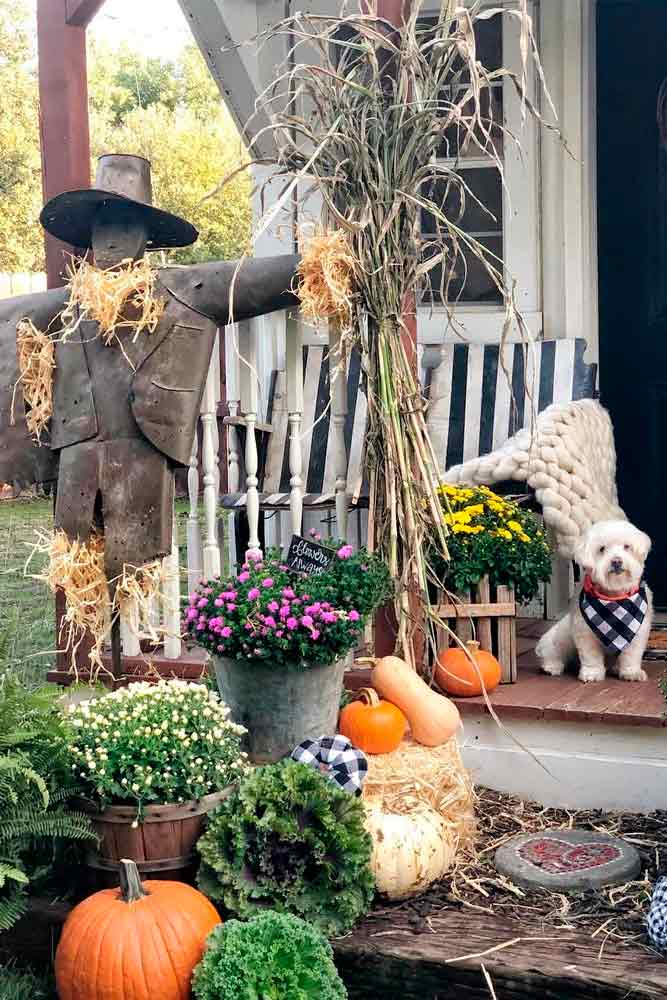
(279, 706)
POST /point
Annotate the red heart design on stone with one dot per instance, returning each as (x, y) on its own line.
(557, 856)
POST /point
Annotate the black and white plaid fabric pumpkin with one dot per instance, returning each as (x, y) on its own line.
(614, 622)
(656, 921)
(337, 758)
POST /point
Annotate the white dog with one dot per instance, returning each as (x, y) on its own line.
(611, 618)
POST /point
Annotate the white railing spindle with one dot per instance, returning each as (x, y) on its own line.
(171, 600)
(294, 370)
(338, 388)
(129, 630)
(195, 563)
(249, 406)
(209, 420)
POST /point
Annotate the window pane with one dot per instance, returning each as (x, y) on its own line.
(471, 282)
(488, 44)
(459, 142)
(463, 206)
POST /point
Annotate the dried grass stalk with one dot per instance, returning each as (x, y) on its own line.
(77, 569)
(119, 296)
(326, 278)
(36, 360)
(414, 776)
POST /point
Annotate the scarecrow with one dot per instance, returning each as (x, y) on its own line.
(105, 388)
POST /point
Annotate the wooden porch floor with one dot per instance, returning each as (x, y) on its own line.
(538, 696)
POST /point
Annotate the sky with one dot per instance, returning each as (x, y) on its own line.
(154, 27)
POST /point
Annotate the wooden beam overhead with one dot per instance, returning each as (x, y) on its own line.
(81, 12)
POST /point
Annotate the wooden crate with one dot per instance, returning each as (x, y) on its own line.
(486, 614)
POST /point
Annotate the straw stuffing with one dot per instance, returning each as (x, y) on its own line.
(120, 296)
(77, 569)
(36, 361)
(326, 278)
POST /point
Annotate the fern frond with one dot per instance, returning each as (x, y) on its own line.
(12, 907)
(8, 872)
(73, 826)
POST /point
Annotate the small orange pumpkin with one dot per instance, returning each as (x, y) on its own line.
(372, 724)
(456, 674)
(140, 941)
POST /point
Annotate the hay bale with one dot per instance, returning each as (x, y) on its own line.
(417, 781)
(326, 278)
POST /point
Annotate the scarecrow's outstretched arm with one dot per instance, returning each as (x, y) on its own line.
(22, 462)
(225, 292)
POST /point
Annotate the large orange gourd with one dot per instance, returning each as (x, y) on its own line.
(371, 724)
(139, 942)
(433, 719)
(461, 673)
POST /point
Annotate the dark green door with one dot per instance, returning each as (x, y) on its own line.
(632, 229)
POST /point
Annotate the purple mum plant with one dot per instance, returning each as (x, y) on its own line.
(269, 613)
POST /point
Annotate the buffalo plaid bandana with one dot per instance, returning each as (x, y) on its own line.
(615, 623)
(656, 921)
(335, 757)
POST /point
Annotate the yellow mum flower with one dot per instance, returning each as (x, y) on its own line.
(515, 526)
(474, 509)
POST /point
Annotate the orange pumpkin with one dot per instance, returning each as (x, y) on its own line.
(371, 724)
(140, 941)
(456, 674)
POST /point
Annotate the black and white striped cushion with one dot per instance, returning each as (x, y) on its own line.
(474, 407)
(480, 396)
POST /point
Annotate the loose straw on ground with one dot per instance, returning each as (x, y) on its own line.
(36, 360)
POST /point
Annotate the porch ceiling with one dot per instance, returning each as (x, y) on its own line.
(223, 30)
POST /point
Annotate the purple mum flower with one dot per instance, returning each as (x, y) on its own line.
(353, 615)
(253, 594)
(345, 552)
(292, 623)
(268, 582)
(243, 577)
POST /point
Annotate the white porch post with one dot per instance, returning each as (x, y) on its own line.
(193, 528)
(171, 600)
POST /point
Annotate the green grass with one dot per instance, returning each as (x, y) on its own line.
(27, 618)
(23, 984)
(27, 623)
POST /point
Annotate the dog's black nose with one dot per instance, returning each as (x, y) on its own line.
(616, 566)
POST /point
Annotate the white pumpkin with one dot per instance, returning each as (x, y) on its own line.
(409, 851)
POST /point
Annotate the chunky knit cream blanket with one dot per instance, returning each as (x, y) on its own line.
(569, 460)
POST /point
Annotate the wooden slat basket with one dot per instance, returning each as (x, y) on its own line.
(487, 614)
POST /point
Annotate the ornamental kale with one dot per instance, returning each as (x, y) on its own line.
(164, 742)
(271, 613)
(495, 537)
(289, 839)
(272, 955)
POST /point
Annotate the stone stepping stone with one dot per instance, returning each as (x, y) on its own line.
(567, 860)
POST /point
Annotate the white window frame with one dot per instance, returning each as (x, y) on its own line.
(483, 323)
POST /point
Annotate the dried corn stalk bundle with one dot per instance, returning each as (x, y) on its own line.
(369, 108)
(36, 360)
(111, 297)
(77, 569)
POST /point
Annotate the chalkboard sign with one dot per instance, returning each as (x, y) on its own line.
(306, 556)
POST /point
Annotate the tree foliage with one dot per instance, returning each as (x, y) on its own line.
(21, 243)
(170, 112)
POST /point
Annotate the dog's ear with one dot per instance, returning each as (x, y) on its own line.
(582, 554)
(642, 545)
